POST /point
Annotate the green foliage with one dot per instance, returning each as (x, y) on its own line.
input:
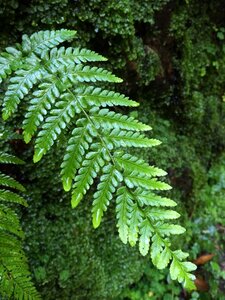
(15, 279)
(68, 257)
(185, 107)
(63, 69)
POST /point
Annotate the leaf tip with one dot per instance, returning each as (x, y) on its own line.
(67, 182)
(38, 155)
(26, 137)
(5, 116)
(76, 198)
(96, 219)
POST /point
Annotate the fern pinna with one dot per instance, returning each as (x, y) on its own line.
(15, 280)
(55, 83)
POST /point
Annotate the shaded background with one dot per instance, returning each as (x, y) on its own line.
(171, 55)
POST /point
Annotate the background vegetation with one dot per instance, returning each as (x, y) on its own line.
(171, 55)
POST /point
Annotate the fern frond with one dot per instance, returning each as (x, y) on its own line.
(146, 232)
(44, 99)
(110, 120)
(135, 221)
(9, 196)
(166, 229)
(179, 269)
(122, 138)
(78, 144)
(105, 189)
(15, 279)
(81, 73)
(42, 40)
(162, 214)
(9, 222)
(135, 180)
(150, 199)
(8, 181)
(124, 205)
(91, 96)
(9, 61)
(68, 56)
(6, 158)
(62, 99)
(85, 177)
(19, 86)
(130, 163)
(54, 124)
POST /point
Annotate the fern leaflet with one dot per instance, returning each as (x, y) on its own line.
(15, 280)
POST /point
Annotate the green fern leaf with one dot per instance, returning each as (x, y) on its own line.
(9, 61)
(91, 96)
(146, 232)
(85, 177)
(68, 56)
(160, 254)
(105, 189)
(10, 182)
(9, 222)
(162, 214)
(181, 271)
(43, 100)
(43, 40)
(15, 277)
(123, 209)
(135, 221)
(78, 144)
(64, 100)
(20, 86)
(135, 180)
(6, 158)
(148, 198)
(168, 229)
(122, 138)
(109, 120)
(162, 260)
(60, 117)
(81, 73)
(129, 163)
(9, 196)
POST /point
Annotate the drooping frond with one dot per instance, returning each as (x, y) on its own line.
(64, 97)
(15, 279)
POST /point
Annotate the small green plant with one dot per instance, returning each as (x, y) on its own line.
(15, 280)
(55, 84)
